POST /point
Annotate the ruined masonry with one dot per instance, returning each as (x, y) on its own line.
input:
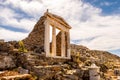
(94, 72)
(51, 35)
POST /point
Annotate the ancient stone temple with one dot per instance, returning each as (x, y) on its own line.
(51, 35)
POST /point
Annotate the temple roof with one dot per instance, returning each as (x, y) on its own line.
(59, 19)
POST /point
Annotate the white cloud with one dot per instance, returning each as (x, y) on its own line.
(11, 35)
(88, 25)
(8, 18)
(103, 43)
(33, 7)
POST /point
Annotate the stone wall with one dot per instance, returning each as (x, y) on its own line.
(58, 44)
(35, 40)
(66, 44)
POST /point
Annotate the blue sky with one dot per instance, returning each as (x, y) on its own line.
(95, 23)
(108, 7)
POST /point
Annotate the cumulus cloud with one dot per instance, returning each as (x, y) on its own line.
(8, 18)
(10, 35)
(89, 26)
(31, 7)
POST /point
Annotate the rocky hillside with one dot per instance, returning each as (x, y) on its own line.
(104, 59)
(41, 67)
(84, 51)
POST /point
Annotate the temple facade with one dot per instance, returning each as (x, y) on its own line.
(52, 35)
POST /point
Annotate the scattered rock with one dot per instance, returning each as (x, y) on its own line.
(6, 47)
(11, 75)
(71, 77)
(23, 71)
(6, 62)
(8, 73)
(70, 72)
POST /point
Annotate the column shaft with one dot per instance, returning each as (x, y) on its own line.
(63, 43)
(47, 37)
(53, 41)
(68, 44)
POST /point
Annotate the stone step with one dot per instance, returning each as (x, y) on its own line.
(50, 67)
(37, 62)
(44, 72)
(32, 57)
(17, 77)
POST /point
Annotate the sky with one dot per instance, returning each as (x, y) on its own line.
(95, 23)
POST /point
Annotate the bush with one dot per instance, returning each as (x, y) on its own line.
(75, 57)
(22, 47)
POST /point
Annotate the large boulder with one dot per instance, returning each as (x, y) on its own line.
(6, 47)
(6, 62)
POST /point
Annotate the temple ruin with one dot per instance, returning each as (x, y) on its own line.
(52, 35)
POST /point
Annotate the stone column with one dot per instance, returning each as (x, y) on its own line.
(68, 44)
(63, 43)
(47, 37)
(53, 41)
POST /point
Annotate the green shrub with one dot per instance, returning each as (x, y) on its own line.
(22, 47)
(75, 57)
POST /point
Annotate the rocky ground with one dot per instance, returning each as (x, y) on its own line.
(35, 66)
